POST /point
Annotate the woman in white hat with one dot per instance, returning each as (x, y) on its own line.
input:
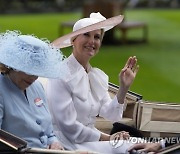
(23, 105)
(76, 100)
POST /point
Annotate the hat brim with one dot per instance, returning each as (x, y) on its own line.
(65, 41)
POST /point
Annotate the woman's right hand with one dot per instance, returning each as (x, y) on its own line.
(122, 135)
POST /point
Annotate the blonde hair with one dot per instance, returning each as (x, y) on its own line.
(102, 36)
(4, 69)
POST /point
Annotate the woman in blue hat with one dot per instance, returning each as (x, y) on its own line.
(23, 105)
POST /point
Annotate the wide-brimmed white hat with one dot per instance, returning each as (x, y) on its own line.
(30, 55)
(94, 22)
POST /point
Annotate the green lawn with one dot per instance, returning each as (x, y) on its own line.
(159, 76)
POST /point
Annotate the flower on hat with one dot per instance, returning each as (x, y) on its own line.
(97, 16)
(84, 22)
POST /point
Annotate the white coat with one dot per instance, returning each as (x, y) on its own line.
(75, 101)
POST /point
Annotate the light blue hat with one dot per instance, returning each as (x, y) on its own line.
(31, 55)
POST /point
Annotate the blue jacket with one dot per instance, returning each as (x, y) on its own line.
(27, 118)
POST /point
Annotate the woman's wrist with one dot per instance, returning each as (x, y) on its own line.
(104, 137)
(121, 95)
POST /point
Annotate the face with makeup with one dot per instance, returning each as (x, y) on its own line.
(87, 45)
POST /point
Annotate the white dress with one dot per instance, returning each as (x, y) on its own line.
(75, 101)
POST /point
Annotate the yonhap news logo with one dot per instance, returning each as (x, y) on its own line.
(116, 140)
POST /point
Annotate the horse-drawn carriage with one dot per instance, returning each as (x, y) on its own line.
(156, 120)
(152, 119)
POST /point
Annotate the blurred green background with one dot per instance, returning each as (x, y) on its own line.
(158, 78)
